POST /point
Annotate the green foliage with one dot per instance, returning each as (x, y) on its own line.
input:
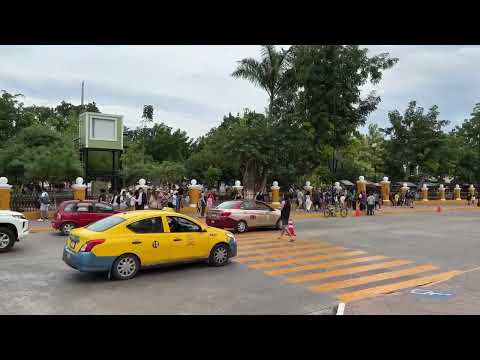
(268, 73)
(147, 117)
(38, 153)
(212, 176)
(326, 80)
(416, 138)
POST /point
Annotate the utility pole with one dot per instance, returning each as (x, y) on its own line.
(83, 92)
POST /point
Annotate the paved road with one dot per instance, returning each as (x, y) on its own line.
(356, 260)
(34, 280)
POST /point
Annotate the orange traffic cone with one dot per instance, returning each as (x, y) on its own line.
(357, 212)
(439, 209)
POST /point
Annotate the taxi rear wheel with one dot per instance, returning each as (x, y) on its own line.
(67, 227)
(241, 226)
(219, 255)
(125, 267)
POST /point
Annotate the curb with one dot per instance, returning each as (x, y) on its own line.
(340, 309)
(40, 230)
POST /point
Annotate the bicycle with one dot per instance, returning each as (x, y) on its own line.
(334, 211)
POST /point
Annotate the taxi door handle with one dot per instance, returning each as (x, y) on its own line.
(136, 242)
(177, 239)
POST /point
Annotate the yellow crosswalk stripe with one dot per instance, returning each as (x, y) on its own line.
(280, 249)
(261, 235)
(259, 241)
(385, 289)
(347, 271)
(273, 244)
(372, 278)
(324, 265)
(295, 253)
(309, 258)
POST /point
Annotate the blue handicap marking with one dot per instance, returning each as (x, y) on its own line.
(431, 293)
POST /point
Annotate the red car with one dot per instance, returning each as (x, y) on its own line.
(78, 213)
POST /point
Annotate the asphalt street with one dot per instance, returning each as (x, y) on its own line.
(371, 263)
(34, 280)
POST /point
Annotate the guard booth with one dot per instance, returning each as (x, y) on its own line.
(101, 147)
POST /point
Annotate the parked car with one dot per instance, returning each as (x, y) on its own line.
(124, 243)
(78, 213)
(13, 227)
(242, 215)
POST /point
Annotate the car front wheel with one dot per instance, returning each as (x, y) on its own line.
(125, 267)
(219, 255)
(7, 239)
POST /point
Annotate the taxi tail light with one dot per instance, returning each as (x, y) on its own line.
(91, 244)
(225, 213)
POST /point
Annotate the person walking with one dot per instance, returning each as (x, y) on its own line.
(175, 201)
(285, 207)
(103, 196)
(299, 200)
(152, 201)
(44, 204)
(115, 200)
(210, 201)
(141, 200)
(123, 200)
(203, 204)
(308, 202)
(370, 204)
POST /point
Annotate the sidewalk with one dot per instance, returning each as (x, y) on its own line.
(457, 296)
(38, 226)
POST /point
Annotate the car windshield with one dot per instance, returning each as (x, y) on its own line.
(105, 224)
(229, 205)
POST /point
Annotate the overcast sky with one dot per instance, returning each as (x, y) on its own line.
(191, 88)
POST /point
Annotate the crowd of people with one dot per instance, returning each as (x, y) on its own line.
(317, 200)
(174, 197)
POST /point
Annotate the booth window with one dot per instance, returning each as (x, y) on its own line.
(104, 129)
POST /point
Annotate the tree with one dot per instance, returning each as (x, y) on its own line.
(38, 153)
(212, 176)
(161, 142)
(147, 115)
(10, 115)
(465, 140)
(416, 138)
(326, 83)
(268, 73)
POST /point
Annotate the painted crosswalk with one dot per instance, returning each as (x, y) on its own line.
(323, 267)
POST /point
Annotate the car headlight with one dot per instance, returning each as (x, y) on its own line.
(19, 217)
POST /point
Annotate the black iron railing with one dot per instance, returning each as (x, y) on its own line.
(25, 202)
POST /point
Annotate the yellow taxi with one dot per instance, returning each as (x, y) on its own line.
(124, 243)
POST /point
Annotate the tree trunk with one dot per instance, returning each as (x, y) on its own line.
(249, 177)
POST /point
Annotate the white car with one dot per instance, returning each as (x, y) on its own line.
(13, 227)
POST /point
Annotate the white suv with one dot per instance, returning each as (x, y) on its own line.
(13, 227)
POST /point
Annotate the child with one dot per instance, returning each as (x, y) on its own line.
(291, 230)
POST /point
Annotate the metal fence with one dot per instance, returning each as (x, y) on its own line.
(30, 201)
